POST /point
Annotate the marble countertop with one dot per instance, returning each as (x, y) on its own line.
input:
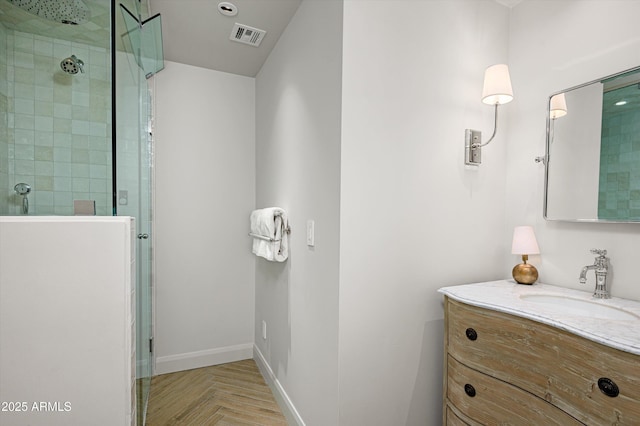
(509, 297)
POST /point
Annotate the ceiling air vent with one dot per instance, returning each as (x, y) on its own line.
(247, 35)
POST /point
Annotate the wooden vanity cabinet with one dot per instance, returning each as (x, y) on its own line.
(504, 369)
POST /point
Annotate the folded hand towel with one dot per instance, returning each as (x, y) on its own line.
(270, 224)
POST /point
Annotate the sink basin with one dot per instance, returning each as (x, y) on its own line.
(586, 308)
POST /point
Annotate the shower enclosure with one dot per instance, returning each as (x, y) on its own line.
(75, 125)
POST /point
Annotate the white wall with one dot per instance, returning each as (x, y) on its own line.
(298, 168)
(591, 39)
(413, 217)
(66, 320)
(205, 191)
(360, 118)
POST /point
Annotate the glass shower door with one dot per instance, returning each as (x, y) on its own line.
(144, 287)
(133, 198)
(134, 179)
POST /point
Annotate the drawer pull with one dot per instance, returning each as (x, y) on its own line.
(471, 334)
(608, 387)
(469, 390)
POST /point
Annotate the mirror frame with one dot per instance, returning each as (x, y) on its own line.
(545, 159)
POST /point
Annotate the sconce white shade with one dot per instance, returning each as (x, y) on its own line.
(557, 106)
(497, 85)
(524, 241)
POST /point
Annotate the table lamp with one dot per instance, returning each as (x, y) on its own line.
(524, 243)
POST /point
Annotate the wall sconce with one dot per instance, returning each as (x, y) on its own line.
(557, 106)
(557, 109)
(524, 243)
(496, 91)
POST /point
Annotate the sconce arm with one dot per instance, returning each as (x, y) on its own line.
(495, 130)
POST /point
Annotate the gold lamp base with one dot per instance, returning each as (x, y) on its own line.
(525, 273)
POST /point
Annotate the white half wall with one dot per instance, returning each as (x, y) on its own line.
(414, 218)
(205, 191)
(298, 147)
(67, 321)
(591, 39)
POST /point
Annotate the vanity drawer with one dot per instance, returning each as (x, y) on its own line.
(452, 419)
(555, 365)
(497, 402)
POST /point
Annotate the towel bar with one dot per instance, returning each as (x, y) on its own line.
(264, 237)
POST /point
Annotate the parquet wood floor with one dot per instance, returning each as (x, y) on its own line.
(222, 395)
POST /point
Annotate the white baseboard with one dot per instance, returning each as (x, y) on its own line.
(198, 359)
(285, 403)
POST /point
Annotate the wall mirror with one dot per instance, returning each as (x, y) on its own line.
(592, 157)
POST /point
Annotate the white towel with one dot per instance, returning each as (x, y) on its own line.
(270, 223)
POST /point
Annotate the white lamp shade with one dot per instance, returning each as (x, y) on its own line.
(497, 85)
(524, 241)
(557, 106)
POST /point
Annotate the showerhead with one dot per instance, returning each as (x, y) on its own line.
(72, 12)
(72, 65)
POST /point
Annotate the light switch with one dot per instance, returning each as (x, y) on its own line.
(311, 238)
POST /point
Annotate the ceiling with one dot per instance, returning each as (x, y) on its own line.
(194, 32)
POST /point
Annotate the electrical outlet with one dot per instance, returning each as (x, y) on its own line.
(264, 330)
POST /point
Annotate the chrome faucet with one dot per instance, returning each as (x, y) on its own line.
(601, 267)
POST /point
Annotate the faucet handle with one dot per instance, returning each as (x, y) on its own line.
(599, 252)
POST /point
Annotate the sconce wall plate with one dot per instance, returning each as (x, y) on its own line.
(472, 150)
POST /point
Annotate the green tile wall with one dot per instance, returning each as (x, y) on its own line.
(619, 185)
(4, 136)
(58, 125)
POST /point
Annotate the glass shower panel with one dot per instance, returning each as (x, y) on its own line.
(144, 289)
(55, 121)
(133, 189)
(145, 38)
